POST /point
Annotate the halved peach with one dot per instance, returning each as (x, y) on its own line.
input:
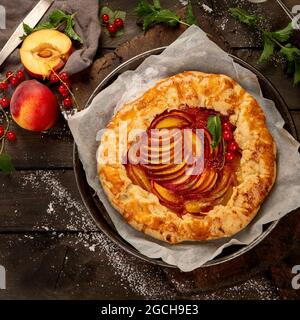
(45, 50)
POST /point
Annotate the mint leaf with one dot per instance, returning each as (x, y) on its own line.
(214, 126)
(283, 35)
(291, 54)
(153, 14)
(244, 16)
(269, 47)
(189, 16)
(57, 16)
(144, 8)
(69, 31)
(27, 28)
(156, 4)
(5, 163)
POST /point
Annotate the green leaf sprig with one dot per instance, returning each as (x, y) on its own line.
(57, 19)
(152, 14)
(276, 41)
(214, 126)
(112, 16)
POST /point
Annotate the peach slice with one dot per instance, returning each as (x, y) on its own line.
(206, 182)
(196, 206)
(164, 194)
(171, 170)
(45, 50)
(138, 177)
(171, 122)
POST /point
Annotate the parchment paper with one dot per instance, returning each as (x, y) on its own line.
(191, 51)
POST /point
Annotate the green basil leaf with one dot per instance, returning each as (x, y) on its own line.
(5, 163)
(214, 126)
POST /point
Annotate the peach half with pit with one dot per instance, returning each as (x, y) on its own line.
(44, 51)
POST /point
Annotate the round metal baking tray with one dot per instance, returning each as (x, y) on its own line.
(96, 208)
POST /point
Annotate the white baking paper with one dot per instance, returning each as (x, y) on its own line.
(191, 51)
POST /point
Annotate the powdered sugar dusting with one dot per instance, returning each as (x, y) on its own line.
(207, 8)
(146, 280)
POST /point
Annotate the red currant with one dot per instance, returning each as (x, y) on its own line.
(2, 130)
(111, 28)
(9, 74)
(233, 146)
(20, 75)
(227, 135)
(68, 102)
(4, 102)
(53, 78)
(227, 126)
(105, 18)
(63, 89)
(14, 81)
(64, 76)
(11, 136)
(119, 23)
(229, 156)
(3, 85)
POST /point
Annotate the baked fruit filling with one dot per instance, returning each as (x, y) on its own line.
(188, 158)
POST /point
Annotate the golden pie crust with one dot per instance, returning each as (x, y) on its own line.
(255, 176)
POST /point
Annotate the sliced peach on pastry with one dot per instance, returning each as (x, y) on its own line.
(164, 194)
(206, 182)
(168, 177)
(173, 169)
(195, 206)
(168, 122)
(157, 167)
(139, 177)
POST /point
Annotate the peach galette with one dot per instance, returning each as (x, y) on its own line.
(191, 159)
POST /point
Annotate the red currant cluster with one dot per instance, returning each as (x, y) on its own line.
(112, 27)
(63, 88)
(232, 146)
(11, 80)
(10, 135)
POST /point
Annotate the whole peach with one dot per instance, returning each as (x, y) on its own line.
(33, 106)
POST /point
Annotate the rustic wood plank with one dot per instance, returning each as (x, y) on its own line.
(34, 150)
(90, 266)
(75, 266)
(274, 71)
(41, 201)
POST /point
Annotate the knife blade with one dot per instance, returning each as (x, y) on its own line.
(33, 17)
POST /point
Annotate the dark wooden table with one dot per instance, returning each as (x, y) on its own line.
(50, 246)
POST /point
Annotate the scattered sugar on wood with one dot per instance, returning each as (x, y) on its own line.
(146, 280)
